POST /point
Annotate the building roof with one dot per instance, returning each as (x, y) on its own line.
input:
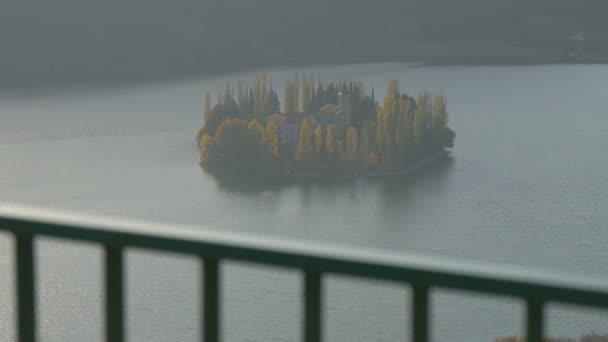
(297, 117)
(278, 118)
(330, 109)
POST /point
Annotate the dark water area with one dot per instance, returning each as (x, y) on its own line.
(237, 183)
(142, 41)
(526, 186)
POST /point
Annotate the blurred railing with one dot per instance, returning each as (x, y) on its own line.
(314, 261)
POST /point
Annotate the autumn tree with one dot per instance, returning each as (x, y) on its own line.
(272, 138)
(392, 87)
(399, 128)
(242, 98)
(383, 124)
(308, 92)
(257, 130)
(440, 114)
(206, 147)
(304, 147)
(240, 143)
(260, 90)
(215, 118)
(208, 108)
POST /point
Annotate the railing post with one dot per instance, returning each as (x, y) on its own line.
(534, 320)
(26, 314)
(420, 313)
(211, 300)
(114, 282)
(312, 307)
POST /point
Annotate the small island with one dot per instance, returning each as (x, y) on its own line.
(323, 130)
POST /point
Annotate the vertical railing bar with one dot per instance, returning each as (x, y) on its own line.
(26, 315)
(420, 313)
(534, 320)
(114, 283)
(312, 307)
(211, 300)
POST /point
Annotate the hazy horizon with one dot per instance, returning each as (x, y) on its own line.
(69, 41)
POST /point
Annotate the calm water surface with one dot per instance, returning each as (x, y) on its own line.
(527, 186)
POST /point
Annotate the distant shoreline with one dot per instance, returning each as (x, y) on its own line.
(302, 176)
(435, 54)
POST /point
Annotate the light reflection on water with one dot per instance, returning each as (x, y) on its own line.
(526, 186)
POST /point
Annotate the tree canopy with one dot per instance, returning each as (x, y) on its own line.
(241, 130)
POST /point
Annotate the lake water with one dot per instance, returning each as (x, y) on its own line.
(527, 186)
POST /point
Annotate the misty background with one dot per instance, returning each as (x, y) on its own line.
(66, 41)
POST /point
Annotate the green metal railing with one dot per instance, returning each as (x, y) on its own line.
(422, 274)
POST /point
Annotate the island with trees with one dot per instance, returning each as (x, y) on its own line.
(322, 130)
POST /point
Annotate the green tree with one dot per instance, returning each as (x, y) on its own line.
(372, 161)
(365, 143)
(351, 142)
(208, 108)
(403, 133)
(339, 150)
(215, 118)
(422, 116)
(392, 87)
(240, 143)
(330, 139)
(242, 98)
(289, 100)
(447, 138)
(296, 94)
(318, 140)
(383, 123)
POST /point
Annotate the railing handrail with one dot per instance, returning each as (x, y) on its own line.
(311, 256)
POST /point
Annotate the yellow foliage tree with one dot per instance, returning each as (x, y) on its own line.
(256, 128)
(440, 114)
(304, 147)
(207, 104)
(205, 147)
(272, 138)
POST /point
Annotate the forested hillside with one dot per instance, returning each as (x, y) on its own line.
(92, 40)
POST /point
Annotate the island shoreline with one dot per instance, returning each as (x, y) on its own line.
(377, 174)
